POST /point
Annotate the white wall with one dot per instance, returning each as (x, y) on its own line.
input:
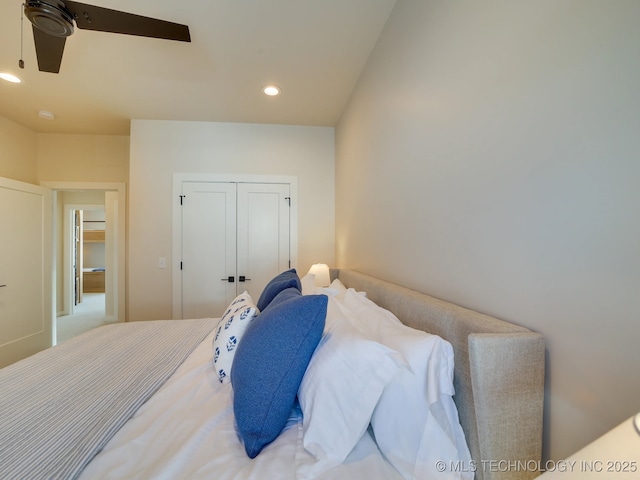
(490, 156)
(18, 152)
(82, 158)
(161, 148)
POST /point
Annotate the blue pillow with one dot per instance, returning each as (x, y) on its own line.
(278, 283)
(270, 362)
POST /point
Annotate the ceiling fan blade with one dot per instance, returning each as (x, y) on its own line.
(90, 17)
(48, 50)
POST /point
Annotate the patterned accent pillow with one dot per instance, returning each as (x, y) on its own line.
(228, 333)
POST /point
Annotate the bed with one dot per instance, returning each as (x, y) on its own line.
(160, 400)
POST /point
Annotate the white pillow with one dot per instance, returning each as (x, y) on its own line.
(309, 287)
(229, 331)
(340, 390)
(338, 287)
(415, 443)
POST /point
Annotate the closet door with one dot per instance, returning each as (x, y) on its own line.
(208, 248)
(26, 313)
(263, 234)
(231, 237)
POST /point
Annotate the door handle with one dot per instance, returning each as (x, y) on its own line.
(2, 286)
(229, 279)
(242, 278)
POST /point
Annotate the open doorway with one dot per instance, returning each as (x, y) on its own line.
(102, 205)
(85, 265)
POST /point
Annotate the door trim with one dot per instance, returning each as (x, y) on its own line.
(180, 178)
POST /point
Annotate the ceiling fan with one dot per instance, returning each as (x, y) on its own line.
(53, 22)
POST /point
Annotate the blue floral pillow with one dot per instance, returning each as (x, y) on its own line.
(270, 363)
(277, 284)
(228, 333)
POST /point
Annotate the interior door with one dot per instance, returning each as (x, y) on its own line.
(26, 313)
(208, 248)
(77, 260)
(263, 234)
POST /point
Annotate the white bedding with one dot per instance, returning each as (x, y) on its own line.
(186, 431)
(182, 423)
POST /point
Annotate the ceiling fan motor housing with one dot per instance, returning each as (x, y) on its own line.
(50, 16)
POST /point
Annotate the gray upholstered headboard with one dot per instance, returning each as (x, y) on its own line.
(499, 375)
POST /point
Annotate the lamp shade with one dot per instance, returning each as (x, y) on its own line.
(321, 272)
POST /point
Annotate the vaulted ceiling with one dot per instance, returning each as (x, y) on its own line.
(314, 50)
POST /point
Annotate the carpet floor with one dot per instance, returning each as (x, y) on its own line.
(86, 315)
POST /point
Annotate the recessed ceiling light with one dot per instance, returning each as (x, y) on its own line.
(46, 115)
(271, 90)
(9, 77)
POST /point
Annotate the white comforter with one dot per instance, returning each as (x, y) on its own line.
(186, 431)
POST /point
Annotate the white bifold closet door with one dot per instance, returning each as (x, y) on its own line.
(235, 237)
